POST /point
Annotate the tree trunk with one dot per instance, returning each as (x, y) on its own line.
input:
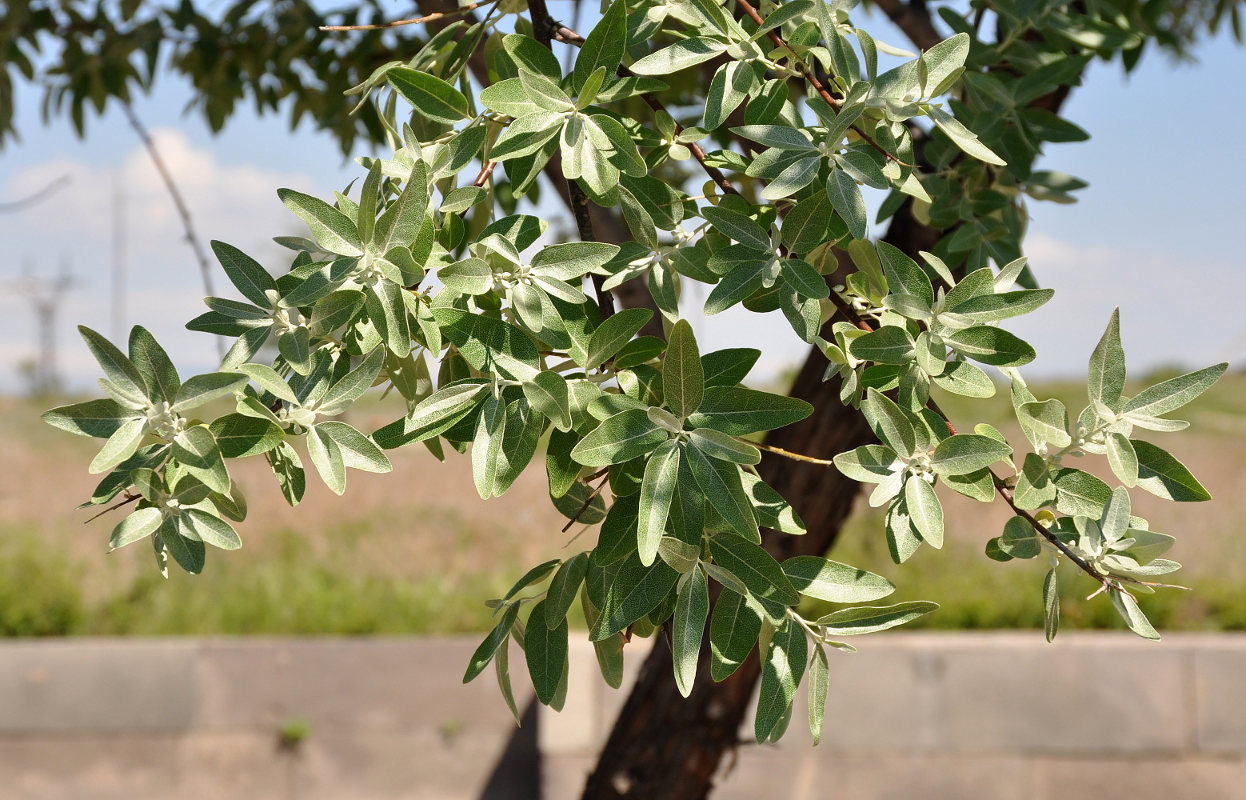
(663, 746)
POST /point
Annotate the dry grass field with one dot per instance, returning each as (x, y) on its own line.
(417, 551)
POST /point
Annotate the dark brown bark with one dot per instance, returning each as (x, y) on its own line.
(663, 746)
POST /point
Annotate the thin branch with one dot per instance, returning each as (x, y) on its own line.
(205, 267)
(545, 28)
(399, 23)
(589, 500)
(114, 507)
(37, 197)
(779, 451)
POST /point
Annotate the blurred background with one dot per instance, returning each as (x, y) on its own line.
(416, 552)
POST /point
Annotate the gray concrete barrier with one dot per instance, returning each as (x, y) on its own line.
(958, 716)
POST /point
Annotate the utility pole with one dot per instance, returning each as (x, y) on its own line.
(45, 298)
(118, 257)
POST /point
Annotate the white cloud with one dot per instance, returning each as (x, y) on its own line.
(233, 202)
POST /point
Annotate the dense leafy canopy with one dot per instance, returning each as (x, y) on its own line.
(426, 279)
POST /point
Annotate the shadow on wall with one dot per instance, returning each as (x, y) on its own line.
(517, 774)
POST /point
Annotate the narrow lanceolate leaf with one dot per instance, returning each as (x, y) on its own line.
(681, 55)
(1105, 378)
(545, 650)
(1161, 474)
(603, 47)
(502, 669)
(611, 335)
(564, 587)
(246, 274)
(138, 525)
(1051, 604)
(434, 414)
(635, 591)
(334, 231)
(358, 450)
(327, 458)
(823, 579)
(120, 446)
(619, 438)
(967, 452)
(1173, 393)
(487, 446)
(656, 490)
(683, 377)
(722, 487)
(202, 389)
(819, 678)
(99, 418)
(889, 422)
(1128, 608)
(117, 367)
(870, 619)
(195, 449)
(431, 97)
(890, 344)
(737, 411)
(925, 511)
(719, 445)
(548, 394)
(733, 632)
(848, 202)
(692, 609)
(239, 435)
(400, 224)
(485, 652)
(755, 567)
(351, 387)
(781, 671)
(153, 364)
(211, 529)
(1122, 459)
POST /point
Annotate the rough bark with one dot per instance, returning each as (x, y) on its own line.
(663, 746)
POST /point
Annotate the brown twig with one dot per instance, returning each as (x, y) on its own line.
(591, 497)
(188, 227)
(485, 172)
(129, 499)
(779, 451)
(399, 23)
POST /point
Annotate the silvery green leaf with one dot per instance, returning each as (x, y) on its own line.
(603, 48)
(358, 450)
(548, 394)
(734, 287)
(545, 650)
(117, 367)
(772, 511)
(352, 386)
(692, 608)
(270, 381)
(847, 200)
(434, 414)
(726, 92)
(962, 137)
(1128, 608)
(758, 570)
(487, 446)
(98, 418)
(716, 444)
(819, 677)
(613, 333)
(888, 488)
(488, 344)
(782, 137)
(943, 61)
(1034, 487)
(619, 438)
(485, 652)
(333, 230)
(202, 389)
(734, 628)
(1106, 377)
(327, 458)
(187, 552)
(1173, 393)
(681, 55)
(1161, 474)
(965, 379)
(834, 582)
(781, 672)
(737, 226)
(869, 463)
(925, 511)
(430, 96)
(138, 525)
(871, 619)
(903, 274)
(159, 376)
(469, 276)
(195, 449)
(1019, 539)
(1051, 604)
(295, 347)
(120, 445)
(1122, 458)
(994, 346)
(572, 260)
(656, 490)
(684, 557)
(635, 591)
(1079, 492)
(246, 274)
(721, 485)
(211, 529)
(890, 344)
(683, 377)
(889, 422)
(1045, 422)
(501, 668)
(967, 452)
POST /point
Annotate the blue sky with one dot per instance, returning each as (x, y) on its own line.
(1153, 233)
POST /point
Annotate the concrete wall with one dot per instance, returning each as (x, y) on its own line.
(961, 716)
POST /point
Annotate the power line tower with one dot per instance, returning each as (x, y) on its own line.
(46, 296)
